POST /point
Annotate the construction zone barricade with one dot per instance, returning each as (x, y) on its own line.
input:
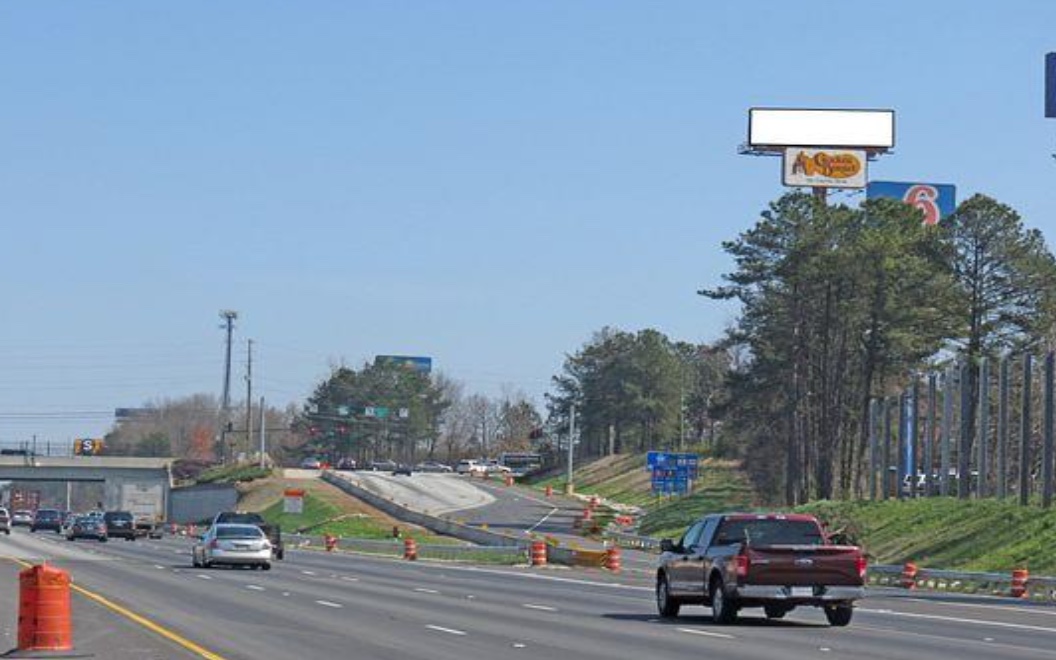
(613, 559)
(549, 491)
(909, 575)
(330, 542)
(589, 558)
(410, 549)
(1020, 577)
(538, 553)
(44, 616)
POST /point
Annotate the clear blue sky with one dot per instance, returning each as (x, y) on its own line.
(486, 183)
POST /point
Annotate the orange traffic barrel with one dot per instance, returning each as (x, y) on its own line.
(1019, 582)
(410, 549)
(549, 491)
(330, 541)
(594, 501)
(44, 621)
(612, 559)
(909, 575)
(538, 553)
(509, 480)
(588, 514)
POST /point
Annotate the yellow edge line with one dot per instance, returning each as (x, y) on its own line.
(132, 616)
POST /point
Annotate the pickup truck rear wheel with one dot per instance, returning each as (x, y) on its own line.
(665, 604)
(723, 609)
(839, 615)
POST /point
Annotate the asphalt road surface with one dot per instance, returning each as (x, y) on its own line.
(318, 605)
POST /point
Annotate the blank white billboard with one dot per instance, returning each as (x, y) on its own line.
(783, 127)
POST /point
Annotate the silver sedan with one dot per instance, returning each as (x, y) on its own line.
(232, 545)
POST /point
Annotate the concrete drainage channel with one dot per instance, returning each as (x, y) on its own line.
(491, 544)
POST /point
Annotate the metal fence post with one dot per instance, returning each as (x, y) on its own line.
(1025, 433)
(964, 448)
(984, 425)
(947, 424)
(1046, 464)
(928, 459)
(1002, 430)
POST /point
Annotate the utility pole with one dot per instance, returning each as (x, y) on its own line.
(249, 395)
(569, 486)
(229, 317)
(263, 440)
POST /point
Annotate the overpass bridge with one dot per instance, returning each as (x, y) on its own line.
(124, 478)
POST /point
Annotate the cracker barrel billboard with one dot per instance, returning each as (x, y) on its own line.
(825, 168)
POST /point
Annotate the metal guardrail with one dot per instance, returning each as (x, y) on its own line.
(395, 548)
(628, 540)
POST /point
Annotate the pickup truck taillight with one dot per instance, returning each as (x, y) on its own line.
(741, 565)
(862, 563)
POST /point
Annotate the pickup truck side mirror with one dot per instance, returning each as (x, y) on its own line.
(667, 545)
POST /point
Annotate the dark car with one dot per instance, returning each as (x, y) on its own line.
(5, 521)
(383, 465)
(402, 469)
(86, 527)
(120, 524)
(47, 519)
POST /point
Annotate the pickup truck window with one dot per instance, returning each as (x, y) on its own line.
(689, 539)
(769, 531)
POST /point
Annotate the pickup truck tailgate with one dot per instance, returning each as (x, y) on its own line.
(804, 565)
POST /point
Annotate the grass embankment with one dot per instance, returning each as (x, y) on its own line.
(624, 478)
(327, 510)
(233, 473)
(987, 535)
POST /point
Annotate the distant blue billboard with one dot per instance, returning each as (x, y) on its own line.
(1050, 85)
(936, 200)
(422, 365)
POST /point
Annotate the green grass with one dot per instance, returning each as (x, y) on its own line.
(975, 535)
(232, 473)
(320, 517)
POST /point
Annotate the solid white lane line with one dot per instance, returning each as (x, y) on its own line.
(350, 579)
(543, 608)
(954, 619)
(255, 587)
(203, 577)
(449, 631)
(326, 603)
(159, 567)
(706, 633)
(308, 572)
(426, 591)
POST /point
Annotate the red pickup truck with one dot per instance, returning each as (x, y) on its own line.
(774, 561)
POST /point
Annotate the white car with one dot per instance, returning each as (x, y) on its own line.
(469, 467)
(232, 545)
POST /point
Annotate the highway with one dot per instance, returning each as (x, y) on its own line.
(317, 605)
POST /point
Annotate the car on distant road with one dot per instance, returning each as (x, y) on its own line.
(469, 466)
(5, 521)
(346, 464)
(774, 561)
(22, 518)
(85, 527)
(403, 469)
(46, 519)
(311, 464)
(432, 466)
(120, 524)
(383, 465)
(232, 545)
